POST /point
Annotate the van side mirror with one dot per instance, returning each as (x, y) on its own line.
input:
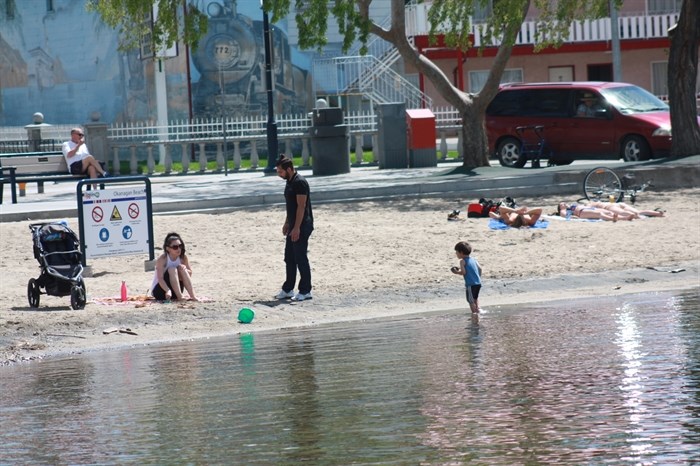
(603, 113)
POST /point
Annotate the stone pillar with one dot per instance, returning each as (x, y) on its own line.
(150, 162)
(185, 157)
(236, 155)
(96, 138)
(133, 161)
(254, 159)
(305, 152)
(202, 158)
(116, 166)
(358, 149)
(219, 156)
(34, 132)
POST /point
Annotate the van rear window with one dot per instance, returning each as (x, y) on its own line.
(531, 102)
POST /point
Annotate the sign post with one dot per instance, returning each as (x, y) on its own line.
(117, 220)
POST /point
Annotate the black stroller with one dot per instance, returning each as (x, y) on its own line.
(57, 249)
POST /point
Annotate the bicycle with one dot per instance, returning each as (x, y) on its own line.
(531, 149)
(603, 184)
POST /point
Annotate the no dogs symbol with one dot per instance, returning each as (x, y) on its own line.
(133, 210)
(97, 214)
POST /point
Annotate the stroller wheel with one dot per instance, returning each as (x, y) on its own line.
(33, 293)
(77, 296)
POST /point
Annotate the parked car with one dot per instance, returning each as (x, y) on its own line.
(577, 120)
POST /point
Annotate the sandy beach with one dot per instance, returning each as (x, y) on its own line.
(369, 260)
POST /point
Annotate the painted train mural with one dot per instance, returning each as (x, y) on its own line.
(45, 67)
(231, 62)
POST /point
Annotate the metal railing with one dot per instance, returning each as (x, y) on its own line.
(629, 27)
(26, 145)
(208, 138)
(370, 77)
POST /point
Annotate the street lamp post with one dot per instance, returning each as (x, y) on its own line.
(223, 117)
(272, 147)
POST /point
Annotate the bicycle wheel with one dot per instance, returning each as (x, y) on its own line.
(601, 183)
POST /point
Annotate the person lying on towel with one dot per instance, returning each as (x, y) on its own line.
(516, 218)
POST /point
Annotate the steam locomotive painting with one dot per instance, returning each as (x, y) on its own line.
(231, 63)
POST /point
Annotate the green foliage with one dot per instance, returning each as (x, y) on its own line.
(130, 18)
(452, 19)
(312, 22)
(448, 17)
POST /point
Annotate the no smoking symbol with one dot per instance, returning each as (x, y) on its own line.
(133, 210)
(97, 214)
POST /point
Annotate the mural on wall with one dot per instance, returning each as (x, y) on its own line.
(231, 63)
(59, 61)
(65, 64)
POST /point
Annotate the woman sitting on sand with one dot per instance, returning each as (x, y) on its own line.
(516, 218)
(173, 271)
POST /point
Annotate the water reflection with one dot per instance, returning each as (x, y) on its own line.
(603, 381)
(303, 410)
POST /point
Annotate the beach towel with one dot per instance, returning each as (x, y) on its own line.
(570, 218)
(499, 225)
(140, 301)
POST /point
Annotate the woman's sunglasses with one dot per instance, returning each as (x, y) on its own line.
(175, 246)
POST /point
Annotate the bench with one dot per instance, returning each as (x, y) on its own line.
(34, 167)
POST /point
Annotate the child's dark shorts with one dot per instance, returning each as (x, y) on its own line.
(473, 293)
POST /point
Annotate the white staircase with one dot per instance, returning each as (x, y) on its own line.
(371, 76)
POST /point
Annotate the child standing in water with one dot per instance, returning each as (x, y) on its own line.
(470, 269)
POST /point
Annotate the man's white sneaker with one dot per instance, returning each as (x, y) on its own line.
(302, 297)
(284, 294)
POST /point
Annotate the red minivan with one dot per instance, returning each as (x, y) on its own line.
(564, 121)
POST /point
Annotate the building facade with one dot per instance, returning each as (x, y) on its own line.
(59, 59)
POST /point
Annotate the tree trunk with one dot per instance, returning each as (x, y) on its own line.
(682, 76)
(474, 141)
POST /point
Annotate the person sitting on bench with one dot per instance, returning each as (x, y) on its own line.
(78, 158)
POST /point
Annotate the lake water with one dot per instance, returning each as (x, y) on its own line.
(607, 381)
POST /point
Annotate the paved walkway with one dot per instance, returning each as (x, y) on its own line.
(218, 192)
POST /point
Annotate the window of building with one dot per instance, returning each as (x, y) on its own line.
(482, 12)
(659, 78)
(660, 7)
(10, 9)
(49, 5)
(477, 79)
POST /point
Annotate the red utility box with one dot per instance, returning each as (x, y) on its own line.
(421, 128)
(422, 151)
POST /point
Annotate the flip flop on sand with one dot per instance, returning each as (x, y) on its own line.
(109, 330)
(454, 216)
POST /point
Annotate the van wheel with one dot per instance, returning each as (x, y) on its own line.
(509, 153)
(635, 149)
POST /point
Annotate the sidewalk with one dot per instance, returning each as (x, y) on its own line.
(218, 192)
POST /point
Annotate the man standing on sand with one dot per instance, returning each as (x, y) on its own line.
(298, 225)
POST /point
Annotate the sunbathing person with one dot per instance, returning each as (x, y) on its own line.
(588, 212)
(625, 210)
(516, 218)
